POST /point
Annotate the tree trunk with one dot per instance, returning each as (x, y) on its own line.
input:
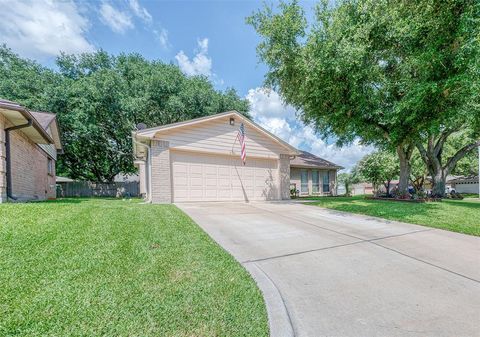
(432, 157)
(439, 182)
(388, 188)
(404, 155)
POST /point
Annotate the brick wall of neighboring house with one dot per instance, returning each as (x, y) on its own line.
(3, 181)
(30, 178)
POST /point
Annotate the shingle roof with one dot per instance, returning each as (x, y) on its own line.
(471, 179)
(43, 118)
(307, 159)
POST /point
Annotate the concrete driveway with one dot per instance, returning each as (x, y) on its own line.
(326, 273)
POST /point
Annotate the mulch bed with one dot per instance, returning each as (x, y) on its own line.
(406, 200)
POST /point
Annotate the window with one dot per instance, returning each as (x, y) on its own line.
(50, 167)
(303, 182)
(326, 182)
(315, 181)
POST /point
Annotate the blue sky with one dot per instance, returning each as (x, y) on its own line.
(202, 37)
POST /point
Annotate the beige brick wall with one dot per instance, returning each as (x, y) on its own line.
(161, 172)
(284, 176)
(3, 181)
(30, 178)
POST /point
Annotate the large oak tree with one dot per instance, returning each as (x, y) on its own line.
(381, 70)
(99, 98)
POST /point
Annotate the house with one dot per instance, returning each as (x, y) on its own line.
(311, 175)
(199, 160)
(465, 184)
(29, 144)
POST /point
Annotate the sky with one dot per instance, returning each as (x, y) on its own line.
(202, 37)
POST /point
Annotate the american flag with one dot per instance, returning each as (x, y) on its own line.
(241, 139)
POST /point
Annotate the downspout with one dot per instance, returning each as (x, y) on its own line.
(8, 155)
(149, 169)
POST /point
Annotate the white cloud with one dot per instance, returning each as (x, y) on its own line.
(140, 11)
(268, 110)
(116, 19)
(43, 28)
(162, 37)
(201, 64)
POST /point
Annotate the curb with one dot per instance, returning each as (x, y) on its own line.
(278, 318)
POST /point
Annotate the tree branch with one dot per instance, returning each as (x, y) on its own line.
(459, 155)
(441, 141)
(425, 157)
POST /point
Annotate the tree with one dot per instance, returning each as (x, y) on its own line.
(99, 98)
(24, 80)
(349, 179)
(442, 153)
(379, 168)
(418, 173)
(371, 68)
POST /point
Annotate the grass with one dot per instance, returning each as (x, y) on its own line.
(96, 267)
(461, 216)
(470, 195)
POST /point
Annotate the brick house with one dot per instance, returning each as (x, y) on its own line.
(29, 144)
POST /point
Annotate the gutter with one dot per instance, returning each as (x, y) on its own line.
(8, 155)
(28, 116)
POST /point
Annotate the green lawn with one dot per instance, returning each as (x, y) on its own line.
(96, 267)
(455, 215)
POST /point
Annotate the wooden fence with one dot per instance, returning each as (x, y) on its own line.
(89, 189)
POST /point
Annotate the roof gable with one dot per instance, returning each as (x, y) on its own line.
(182, 128)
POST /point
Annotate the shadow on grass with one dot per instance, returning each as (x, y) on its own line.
(392, 210)
(75, 200)
(464, 203)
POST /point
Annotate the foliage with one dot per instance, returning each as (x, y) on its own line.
(349, 179)
(468, 165)
(385, 71)
(100, 267)
(379, 168)
(456, 216)
(99, 98)
(419, 172)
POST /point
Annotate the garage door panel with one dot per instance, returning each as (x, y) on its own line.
(224, 194)
(201, 177)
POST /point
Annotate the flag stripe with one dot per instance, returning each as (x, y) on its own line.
(241, 139)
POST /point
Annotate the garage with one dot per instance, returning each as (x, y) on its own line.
(203, 177)
(202, 160)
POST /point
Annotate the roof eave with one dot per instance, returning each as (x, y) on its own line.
(146, 134)
(27, 116)
(317, 167)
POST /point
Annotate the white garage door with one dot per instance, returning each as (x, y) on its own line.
(202, 177)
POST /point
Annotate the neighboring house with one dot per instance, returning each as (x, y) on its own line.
(465, 184)
(29, 143)
(313, 176)
(356, 189)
